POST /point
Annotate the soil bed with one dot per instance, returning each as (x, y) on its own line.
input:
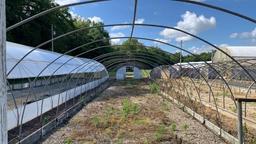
(128, 112)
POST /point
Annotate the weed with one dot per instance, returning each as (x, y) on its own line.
(81, 98)
(46, 120)
(129, 108)
(173, 127)
(253, 141)
(185, 127)
(146, 141)
(160, 132)
(165, 105)
(233, 109)
(245, 129)
(109, 111)
(154, 88)
(120, 141)
(68, 141)
(142, 121)
(225, 94)
(95, 121)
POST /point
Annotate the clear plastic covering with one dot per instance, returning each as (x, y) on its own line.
(36, 61)
(195, 64)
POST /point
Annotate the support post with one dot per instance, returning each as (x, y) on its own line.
(240, 122)
(3, 90)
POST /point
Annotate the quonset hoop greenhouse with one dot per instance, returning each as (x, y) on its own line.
(30, 80)
(45, 88)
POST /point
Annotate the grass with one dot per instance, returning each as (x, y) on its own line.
(96, 121)
(146, 141)
(105, 120)
(160, 132)
(46, 119)
(142, 121)
(154, 88)
(145, 73)
(112, 116)
(165, 105)
(253, 141)
(226, 93)
(185, 127)
(129, 108)
(233, 109)
(120, 141)
(68, 141)
(173, 127)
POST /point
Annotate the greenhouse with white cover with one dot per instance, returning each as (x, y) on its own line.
(45, 80)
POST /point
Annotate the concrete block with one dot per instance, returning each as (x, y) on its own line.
(189, 111)
(199, 118)
(212, 127)
(229, 137)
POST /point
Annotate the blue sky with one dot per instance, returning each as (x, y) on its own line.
(217, 27)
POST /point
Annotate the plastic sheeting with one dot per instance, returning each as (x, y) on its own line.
(136, 73)
(33, 110)
(120, 74)
(37, 60)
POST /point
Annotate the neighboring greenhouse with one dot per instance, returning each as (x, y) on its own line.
(43, 80)
(245, 55)
(190, 69)
(121, 73)
(237, 52)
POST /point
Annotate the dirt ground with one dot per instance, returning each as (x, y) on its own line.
(129, 112)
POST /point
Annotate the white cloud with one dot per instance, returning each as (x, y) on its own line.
(139, 21)
(191, 23)
(233, 35)
(64, 2)
(75, 15)
(223, 45)
(114, 28)
(116, 41)
(205, 48)
(245, 35)
(162, 40)
(95, 19)
(200, 49)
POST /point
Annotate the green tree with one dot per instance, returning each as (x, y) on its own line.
(39, 30)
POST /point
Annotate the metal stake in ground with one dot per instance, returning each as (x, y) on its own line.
(240, 116)
(240, 122)
(3, 91)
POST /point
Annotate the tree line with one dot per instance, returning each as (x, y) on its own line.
(39, 30)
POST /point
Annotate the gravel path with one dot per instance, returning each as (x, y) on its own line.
(158, 121)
